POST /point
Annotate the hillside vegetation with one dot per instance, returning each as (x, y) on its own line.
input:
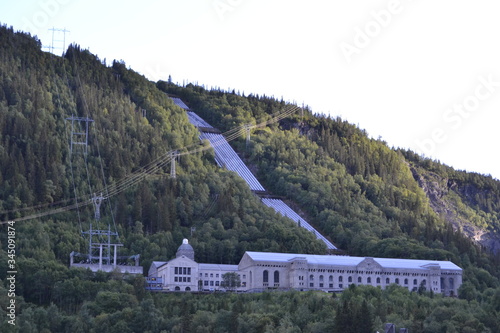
(367, 198)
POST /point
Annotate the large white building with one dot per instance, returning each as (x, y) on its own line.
(261, 271)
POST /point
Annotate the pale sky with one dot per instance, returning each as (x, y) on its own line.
(421, 74)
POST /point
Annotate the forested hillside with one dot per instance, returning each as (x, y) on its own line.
(367, 198)
(469, 201)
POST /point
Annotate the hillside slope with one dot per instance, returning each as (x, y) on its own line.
(355, 190)
(468, 201)
(381, 178)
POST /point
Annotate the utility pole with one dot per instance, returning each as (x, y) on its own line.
(173, 155)
(247, 128)
(79, 132)
(97, 201)
(54, 30)
(100, 239)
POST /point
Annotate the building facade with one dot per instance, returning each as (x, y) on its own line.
(185, 274)
(259, 271)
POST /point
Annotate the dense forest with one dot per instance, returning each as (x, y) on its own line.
(367, 198)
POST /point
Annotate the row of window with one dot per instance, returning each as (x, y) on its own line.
(182, 279)
(368, 280)
(211, 283)
(265, 265)
(451, 283)
(349, 280)
(217, 275)
(218, 283)
(341, 286)
(342, 271)
(265, 277)
(182, 270)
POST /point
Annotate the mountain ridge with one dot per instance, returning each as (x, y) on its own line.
(359, 192)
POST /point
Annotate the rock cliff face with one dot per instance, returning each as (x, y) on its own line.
(452, 202)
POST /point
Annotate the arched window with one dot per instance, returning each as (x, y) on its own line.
(378, 280)
(177, 288)
(321, 279)
(406, 281)
(415, 282)
(423, 285)
(188, 289)
(349, 279)
(340, 278)
(368, 280)
(359, 279)
(311, 277)
(387, 281)
(265, 277)
(276, 277)
(330, 279)
(397, 281)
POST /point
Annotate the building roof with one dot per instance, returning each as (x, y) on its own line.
(185, 250)
(350, 261)
(214, 267)
(158, 263)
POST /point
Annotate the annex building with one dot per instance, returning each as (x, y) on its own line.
(259, 271)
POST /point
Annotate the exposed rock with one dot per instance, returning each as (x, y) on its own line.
(437, 189)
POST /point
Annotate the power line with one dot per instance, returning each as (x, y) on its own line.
(157, 164)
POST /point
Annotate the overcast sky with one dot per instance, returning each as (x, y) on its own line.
(421, 74)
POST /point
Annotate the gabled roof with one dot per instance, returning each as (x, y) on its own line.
(158, 263)
(350, 261)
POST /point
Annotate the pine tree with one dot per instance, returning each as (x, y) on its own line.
(365, 319)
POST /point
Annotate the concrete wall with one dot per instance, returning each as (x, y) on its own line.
(111, 268)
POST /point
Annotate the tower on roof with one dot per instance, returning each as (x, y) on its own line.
(185, 250)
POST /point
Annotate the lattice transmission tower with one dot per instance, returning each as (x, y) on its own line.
(103, 242)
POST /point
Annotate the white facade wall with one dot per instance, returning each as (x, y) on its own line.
(184, 274)
(179, 274)
(261, 271)
(298, 273)
(211, 276)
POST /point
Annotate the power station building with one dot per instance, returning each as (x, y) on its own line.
(260, 271)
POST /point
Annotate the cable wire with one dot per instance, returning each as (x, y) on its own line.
(155, 165)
